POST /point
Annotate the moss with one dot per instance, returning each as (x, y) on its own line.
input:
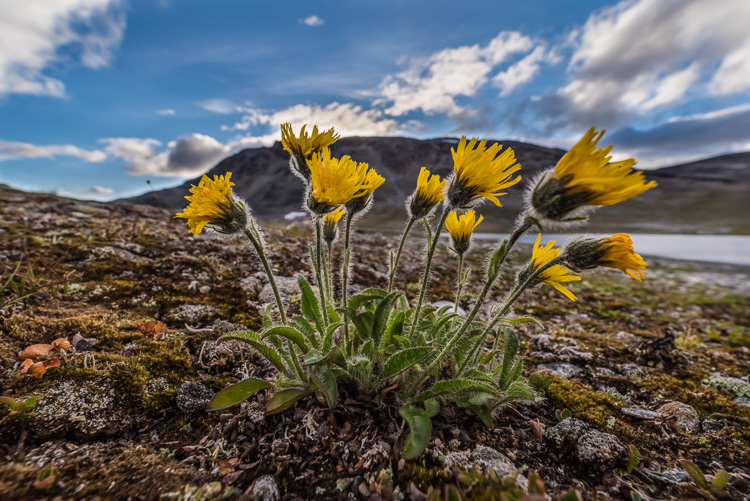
(129, 381)
(422, 476)
(169, 360)
(593, 406)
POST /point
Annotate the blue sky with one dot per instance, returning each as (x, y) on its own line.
(99, 96)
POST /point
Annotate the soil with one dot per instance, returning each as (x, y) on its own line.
(123, 416)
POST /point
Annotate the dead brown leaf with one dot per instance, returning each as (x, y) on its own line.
(35, 352)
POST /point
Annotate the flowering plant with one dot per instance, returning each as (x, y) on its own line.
(376, 338)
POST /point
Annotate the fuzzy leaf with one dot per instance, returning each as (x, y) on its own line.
(326, 383)
(236, 393)
(395, 328)
(403, 360)
(256, 342)
(363, 322)
(456, 387)
(633, 459)
(289, 333)
(380, 318)
(511, 348)
(267, 320)
(420, 427)
(483, 413)
(721, 480)
(520, 320)
(519, 391)
(305, 328)
(695, 473)
(282, 400)
(309, 304)
(365, 296)
(477, 375)
(432, 407)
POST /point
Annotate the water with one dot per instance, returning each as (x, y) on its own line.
(727, 249)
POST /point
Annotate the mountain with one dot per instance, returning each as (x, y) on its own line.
(710, 195)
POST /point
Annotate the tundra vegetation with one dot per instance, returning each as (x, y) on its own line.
(506, 389)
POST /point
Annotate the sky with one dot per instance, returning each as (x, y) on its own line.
(103, 99)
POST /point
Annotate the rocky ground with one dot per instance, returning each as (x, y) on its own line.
(659, 367)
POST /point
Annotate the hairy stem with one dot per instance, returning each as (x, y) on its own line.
(319, 271)
(460, 284)
(505, 248)
(345, 273)
(398, 253)
(256, 241)
(427, 266)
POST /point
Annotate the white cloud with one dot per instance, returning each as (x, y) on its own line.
(642, 54)
(312, 21)
(221, 106)
(93, 190)
(37, 34)
(165, 112)
(348, 119)
(432, 84)
(13, 150)
(186, 156)
(523, 71)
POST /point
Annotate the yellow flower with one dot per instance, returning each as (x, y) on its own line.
(212, 203)
(305, 145)
(555, 273)
(430, 192)
(586, 169)
(461, 228)
(481, 172)
(336, 181)
(620, 255)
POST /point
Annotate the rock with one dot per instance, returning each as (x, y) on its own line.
(639, 413)
(716, 425)
(81, 343)
(742, 401)
(566, 433)
(684, 416)
(440, 304)
(193, 397)
(204, 289)
(676, 475)
(252, 286)
(590, 446)
(191, 313)
(288, 290)
(562, 369)
(602, 449)
(264, 489)
(485, 458)
(88, 408)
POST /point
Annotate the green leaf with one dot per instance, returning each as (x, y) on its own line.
(402, 340)
(633, 459)
(380, 318)
(236, 393)
(695, 473)
(572, 495)
(511, 348)
(256, 342)
(403, 360)
(363, 323)
(368, 349)
(395, 328)
(477, 375)
(328, 339)
(289, 333)
(519, 391)
(267, 320)
(420, 427)
(429, 232)
(282, 400)
(365, 296)
(483, 413)
(305, 328)
(326, 383)
(309, 304)
(492, 266)
(721, 480)
(520, 320)
(456, 387)
(432, 407)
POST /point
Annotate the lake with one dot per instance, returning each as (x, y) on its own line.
(727, 249)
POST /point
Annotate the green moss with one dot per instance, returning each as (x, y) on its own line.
(422, 476)
(129, 381)
(168, 360)
(593, 406)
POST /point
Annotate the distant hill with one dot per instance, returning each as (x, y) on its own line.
(710, 195)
